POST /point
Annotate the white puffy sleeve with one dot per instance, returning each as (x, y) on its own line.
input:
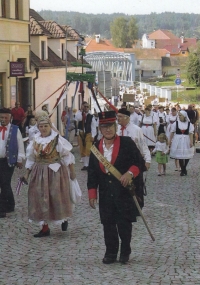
(191, 129)
(30, 156)
(64, 147)
(21, 154)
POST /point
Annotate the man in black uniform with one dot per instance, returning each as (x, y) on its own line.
(116, 205)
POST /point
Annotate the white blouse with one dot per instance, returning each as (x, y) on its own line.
(161, 147)
(63, 147)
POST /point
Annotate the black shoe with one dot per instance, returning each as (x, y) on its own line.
(64, 226)
(2, 214)
(42, 234)
(84, 168)
(124, 258)
(182, 174)
(108, 260)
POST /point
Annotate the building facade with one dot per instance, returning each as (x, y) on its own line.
(14, 48)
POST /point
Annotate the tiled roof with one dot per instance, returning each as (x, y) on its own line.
(161, 34)
(53, 28)
(103, 45)
(72, 33)
(147, 53)
(37, 29)
(35, 15)
(176, 44)
(38, 26)
(174, 61)
(53, 60)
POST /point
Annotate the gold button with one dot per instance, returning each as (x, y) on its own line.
(110, 181)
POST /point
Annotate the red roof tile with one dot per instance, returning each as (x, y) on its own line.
(103, 45)
(175, 46)
(161, 35)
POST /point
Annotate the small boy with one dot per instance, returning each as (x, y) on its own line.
(32, 129)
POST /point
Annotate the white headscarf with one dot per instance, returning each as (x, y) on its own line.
(183, 125)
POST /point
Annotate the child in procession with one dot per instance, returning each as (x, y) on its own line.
(161, 149)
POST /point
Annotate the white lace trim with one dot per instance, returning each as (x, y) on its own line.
(45, 140)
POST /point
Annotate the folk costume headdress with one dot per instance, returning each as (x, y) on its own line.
(183, 125)
(43, 120)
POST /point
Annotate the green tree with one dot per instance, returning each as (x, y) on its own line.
(123, 31)
(193, 66)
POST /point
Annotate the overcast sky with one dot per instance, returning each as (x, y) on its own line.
(130, 7)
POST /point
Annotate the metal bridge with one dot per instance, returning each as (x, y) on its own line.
(121, 65)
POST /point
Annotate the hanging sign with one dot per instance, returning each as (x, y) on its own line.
(16, 69)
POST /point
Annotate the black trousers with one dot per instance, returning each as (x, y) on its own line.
(7, 200)
(112, 233)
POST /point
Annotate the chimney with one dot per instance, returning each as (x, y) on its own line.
(182, 39)
(97, 38)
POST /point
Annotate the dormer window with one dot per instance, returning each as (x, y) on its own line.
(63, 51)
(16, 9)
(43, 50)
(3, 8)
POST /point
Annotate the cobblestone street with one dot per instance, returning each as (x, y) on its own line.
(75, 257)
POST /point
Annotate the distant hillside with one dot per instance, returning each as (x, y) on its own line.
(90, 24)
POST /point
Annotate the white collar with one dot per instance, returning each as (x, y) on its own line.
(45, 140)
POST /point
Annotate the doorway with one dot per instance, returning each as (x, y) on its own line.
(24, 92)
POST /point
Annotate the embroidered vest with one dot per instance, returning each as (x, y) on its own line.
(12, 146)
(179, 132)
(49, 154)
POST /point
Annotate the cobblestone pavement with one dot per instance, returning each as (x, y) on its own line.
(75, 257)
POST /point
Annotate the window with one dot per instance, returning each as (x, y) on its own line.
(3, 8)
(16, 9)
(24, 60)
(154, 71)
(138, 62)
(43, 50)
(183, 52)
(63, 51)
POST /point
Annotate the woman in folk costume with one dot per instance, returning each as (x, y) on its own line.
(170, 120)
(51, 165)
(148, 125)
(161, 121)
(181, 141)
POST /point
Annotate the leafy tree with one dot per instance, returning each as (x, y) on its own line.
(123, 31)
(175, 22)
(193, 66)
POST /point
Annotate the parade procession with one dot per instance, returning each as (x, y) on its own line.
(112, 169)
(99, 151)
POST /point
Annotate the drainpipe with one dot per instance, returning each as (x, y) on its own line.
(34, 79)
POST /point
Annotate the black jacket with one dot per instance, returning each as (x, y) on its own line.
(115, 201)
